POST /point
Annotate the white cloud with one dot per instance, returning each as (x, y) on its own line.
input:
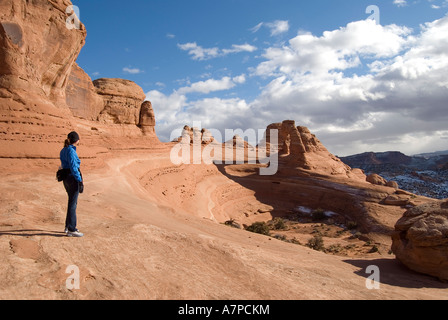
(132, 70)
(276, 27)
(335, 50)
(404, 3)
(239, 48)
(199, 53)
(257, 27)
(174, 111)
(239, 79)
(403, 78)
(400, 3)
(363, 87)
(210, 85)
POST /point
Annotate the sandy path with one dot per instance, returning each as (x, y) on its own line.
(139, 247)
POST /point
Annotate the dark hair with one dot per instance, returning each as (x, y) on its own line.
(72, 138)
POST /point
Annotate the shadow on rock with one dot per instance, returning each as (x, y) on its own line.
(32, 233)
(394, 273)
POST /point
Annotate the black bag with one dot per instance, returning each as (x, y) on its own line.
(62, 174)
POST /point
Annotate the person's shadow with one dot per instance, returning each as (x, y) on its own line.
(32, 233)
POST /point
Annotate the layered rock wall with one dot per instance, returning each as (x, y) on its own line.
(81, 96)
(44, 94)
(37, 52)
(109, 101)
(122, 101)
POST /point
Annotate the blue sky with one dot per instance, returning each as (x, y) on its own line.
(240, 64)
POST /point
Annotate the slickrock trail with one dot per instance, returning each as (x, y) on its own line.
(156, 230)
(138, 248)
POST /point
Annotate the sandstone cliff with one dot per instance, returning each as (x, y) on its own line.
(81, 95)
(37, 52)
(44, 94)
(122, 101)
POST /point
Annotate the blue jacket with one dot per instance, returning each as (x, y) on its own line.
(70, 160)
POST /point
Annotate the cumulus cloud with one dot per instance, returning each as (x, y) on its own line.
(402, 77)
(334, 50)
(174, 111)
(212, 85)
(362, 87)
(200, 53)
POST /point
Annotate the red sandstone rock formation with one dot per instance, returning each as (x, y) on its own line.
(380, 181)
(302, 149)
(195, 135)
(44, 94)
(421, 239)
(37, 52)
(147, 119)
(81, 96)
(376, 179)
(122, 101)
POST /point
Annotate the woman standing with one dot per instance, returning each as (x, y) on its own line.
(73, 182)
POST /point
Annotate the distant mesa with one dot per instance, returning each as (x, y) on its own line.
(423, 174)
(380, 161)
(378, 158)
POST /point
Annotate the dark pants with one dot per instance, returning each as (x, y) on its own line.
(72, 188)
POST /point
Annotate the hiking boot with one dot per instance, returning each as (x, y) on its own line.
(75, 234)
(66, 230)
